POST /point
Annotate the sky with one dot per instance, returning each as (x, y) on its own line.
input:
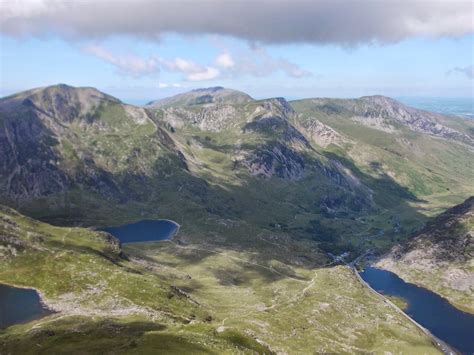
(148, 49)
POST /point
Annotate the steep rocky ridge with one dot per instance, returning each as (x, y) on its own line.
(55, 138)
(104, 162)
(386, 114)
(385, 138)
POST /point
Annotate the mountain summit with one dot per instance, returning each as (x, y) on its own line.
(212, 95)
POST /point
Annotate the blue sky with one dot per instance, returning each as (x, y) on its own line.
(137, 68)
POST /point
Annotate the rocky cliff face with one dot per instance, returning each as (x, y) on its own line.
(77, 149)
(55, 138)
(450, 236)
(386, 114)
(417, 120)
(323, 135)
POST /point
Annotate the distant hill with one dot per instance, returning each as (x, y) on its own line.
(212, 95)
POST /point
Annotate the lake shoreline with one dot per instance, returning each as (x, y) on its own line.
(421, 303)
(150, 230)
(445, 348)
(47, 309)
(418, 284)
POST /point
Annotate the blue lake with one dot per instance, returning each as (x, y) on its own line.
(18, 305)
(144, 231)
(435, 313)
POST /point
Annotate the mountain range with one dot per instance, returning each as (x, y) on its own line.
(264, 190)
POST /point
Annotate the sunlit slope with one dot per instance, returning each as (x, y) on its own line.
(431, 155)
(347, 174)
(104, 300)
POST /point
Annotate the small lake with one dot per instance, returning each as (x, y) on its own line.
(18, 305)
(144, 231)
(435, 313)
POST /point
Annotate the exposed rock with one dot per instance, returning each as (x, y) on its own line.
(276, 160)
(385, 114)
(279, 106)
(320, 133)
(279, 127)
(52, 139)
(214, 118)
(207, 96)
(415, 119)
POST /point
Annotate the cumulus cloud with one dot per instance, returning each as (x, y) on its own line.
(225, 60)
(344, 22)
(162, 85)
(467, 71)
(191, 70)
(256, 62)
(128, 64)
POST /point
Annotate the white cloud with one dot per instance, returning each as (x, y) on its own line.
(258, 62)
(255, 62)
(209, 73)
(127, 64)
(225, 61)
(191, 70)
(162, 85)
(343, 22)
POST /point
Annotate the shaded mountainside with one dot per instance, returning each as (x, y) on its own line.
(55, 138)
(176, 298)
(76, 155)
(262, 189)
(441, 256)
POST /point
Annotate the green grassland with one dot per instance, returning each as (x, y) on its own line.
(268, 296)
(125, 169)
(249, 270)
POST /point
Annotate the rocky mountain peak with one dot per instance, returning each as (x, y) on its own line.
(415, 119)
(204, 96)
(61, 101)
(279, 106)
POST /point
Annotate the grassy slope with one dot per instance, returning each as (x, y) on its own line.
(103, 300)
(433, 169)
(292, 308)
(141, 176)
(435, 173)
(226, 300)
(222, 208)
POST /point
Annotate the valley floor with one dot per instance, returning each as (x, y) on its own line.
(181, 297)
